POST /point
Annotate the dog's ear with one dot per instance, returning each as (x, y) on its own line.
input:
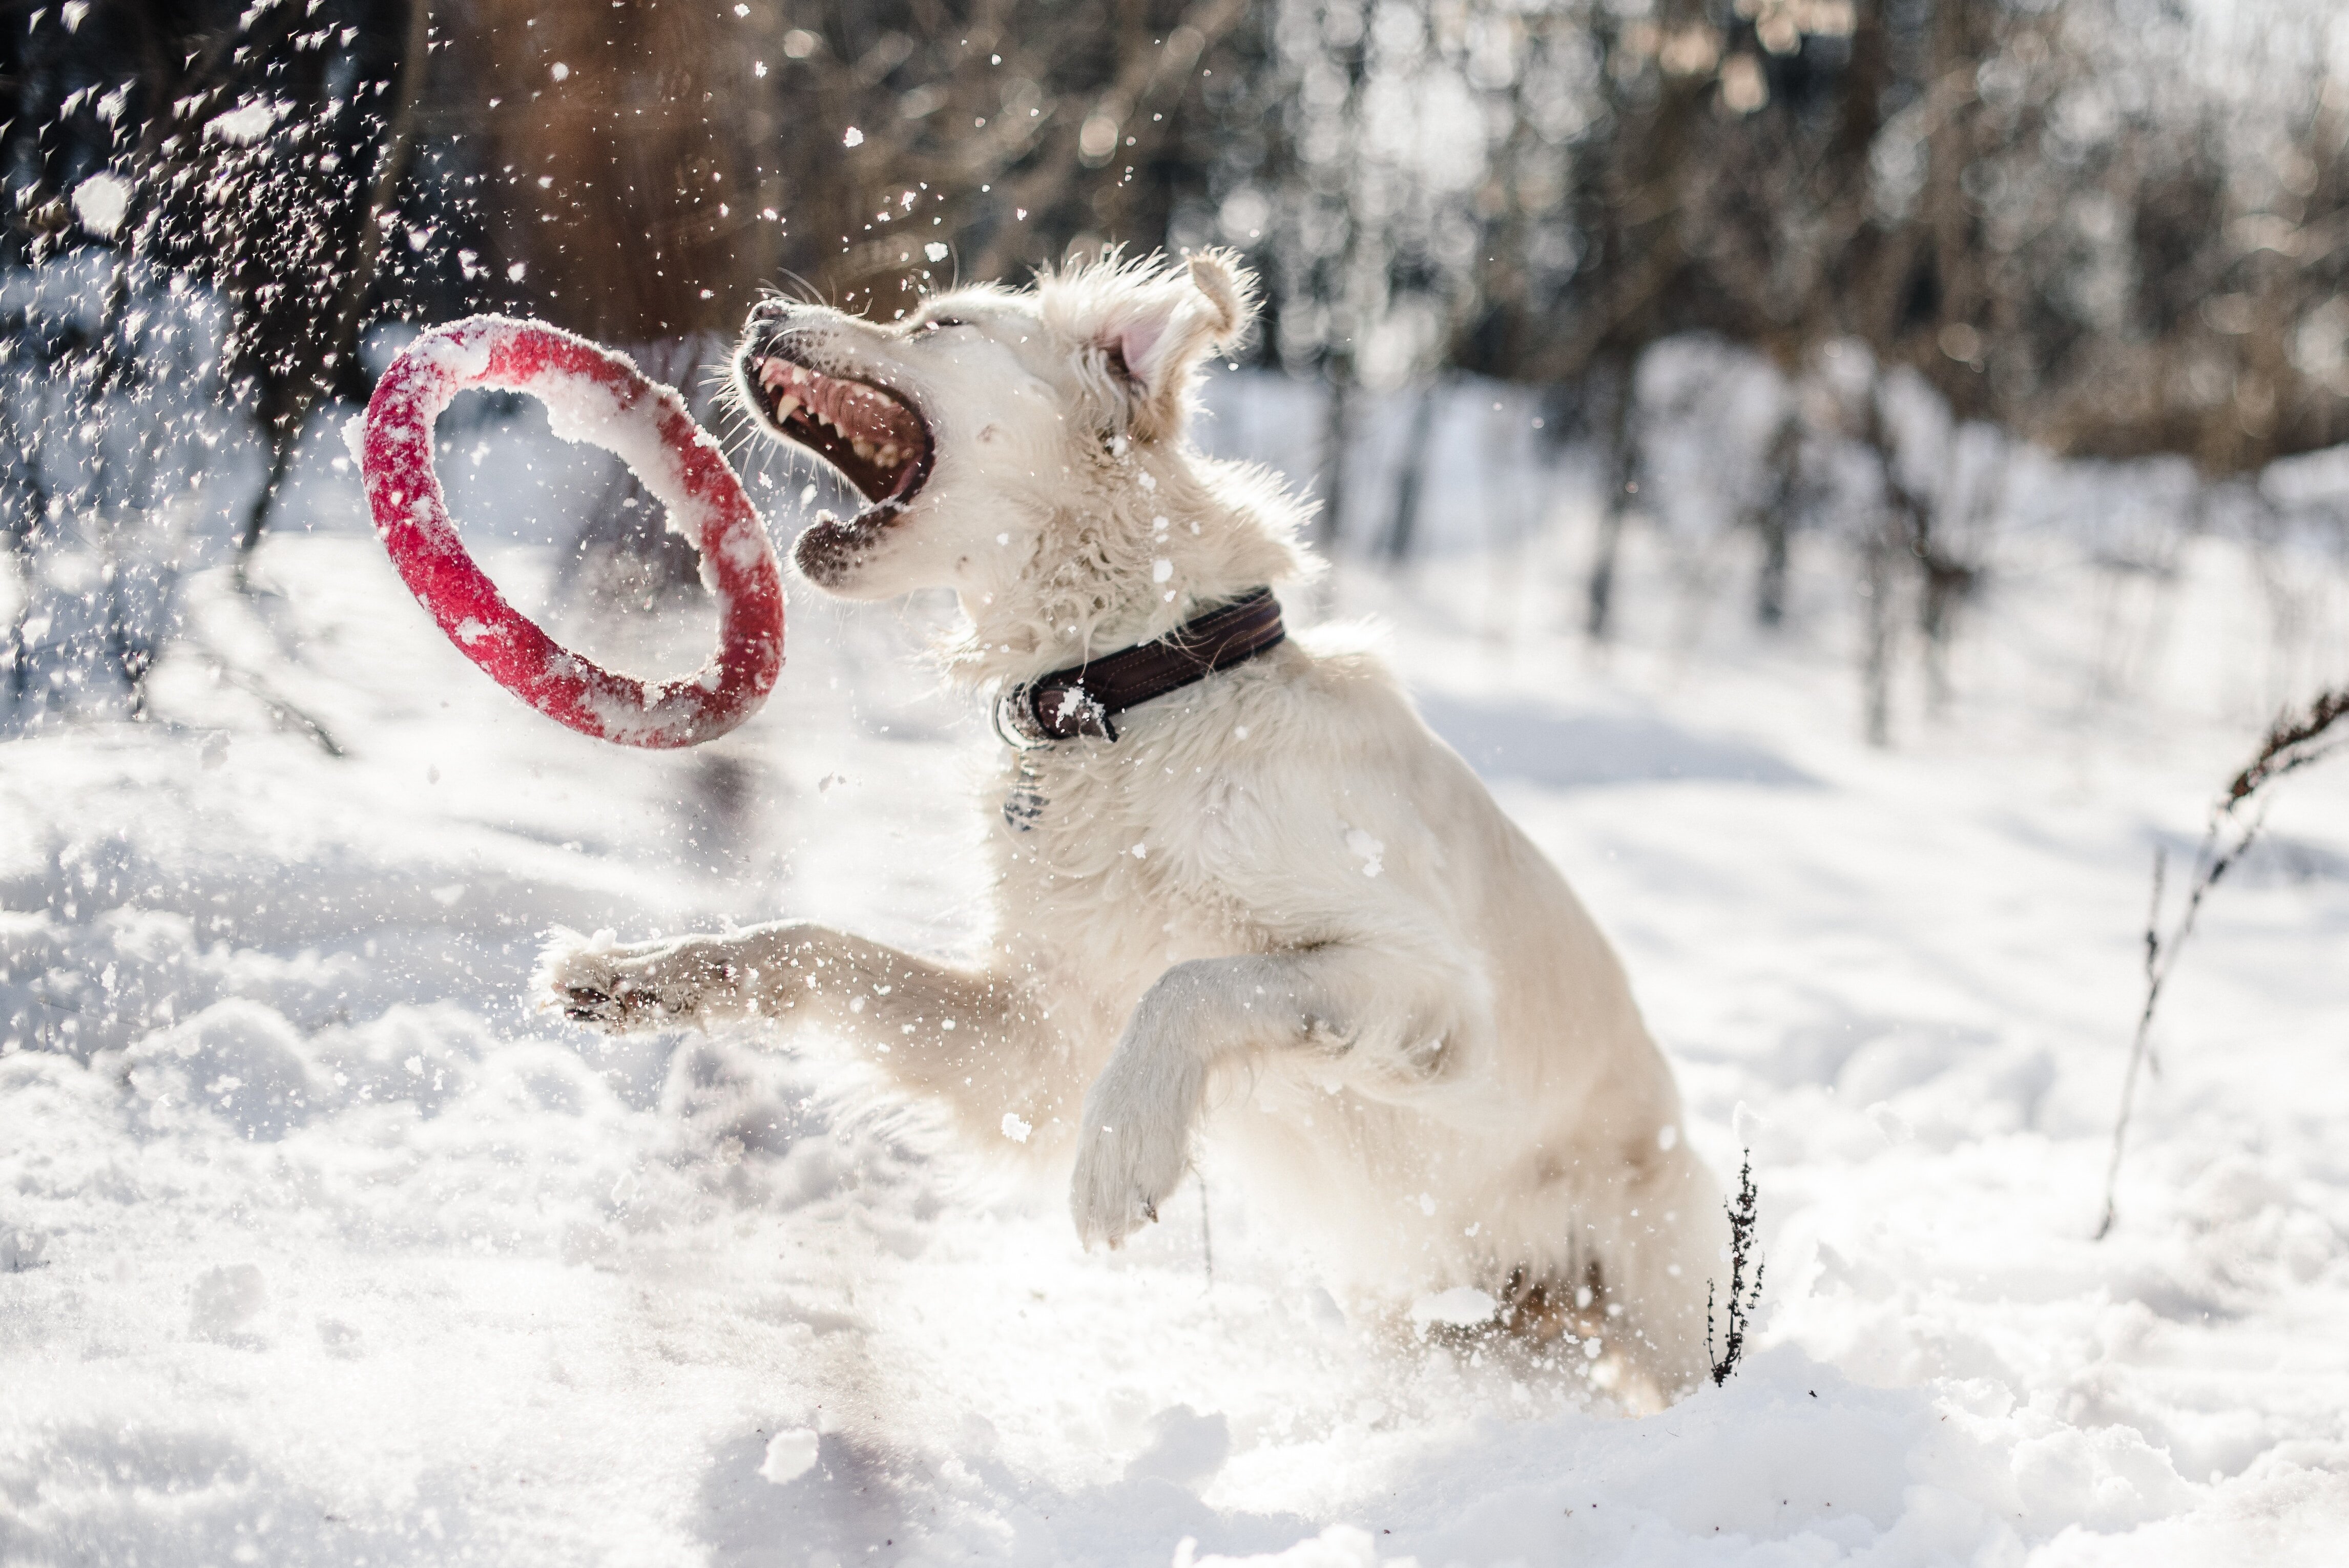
(1155, 341)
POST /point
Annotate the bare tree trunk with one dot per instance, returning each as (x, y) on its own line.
(31, 497)
(383, 193)
(1411, 478)
(1775, 521)
(1623, 469)
(1337, 433)
(625, 188)
(1878, 552)
(134, 651)
(1944, 587)
(284, 435)
(1903, 532)
(133, 655)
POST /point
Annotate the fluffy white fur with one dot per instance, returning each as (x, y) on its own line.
(1277, 912)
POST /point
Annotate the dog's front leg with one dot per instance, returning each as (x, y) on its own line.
(1134, 1141)
(965, 1034)
(792, 969)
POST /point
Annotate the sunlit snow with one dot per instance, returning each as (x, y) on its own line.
(317, 1245)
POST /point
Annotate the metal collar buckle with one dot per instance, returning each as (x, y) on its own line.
(1016, 722)
(1020, 715)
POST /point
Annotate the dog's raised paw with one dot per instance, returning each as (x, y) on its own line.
(592, 980)
(603, 1009)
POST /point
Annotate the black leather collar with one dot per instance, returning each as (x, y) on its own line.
(1083, 698)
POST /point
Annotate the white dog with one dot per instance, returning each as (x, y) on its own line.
(1268, 903)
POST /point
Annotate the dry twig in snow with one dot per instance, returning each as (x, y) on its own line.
(1742, 1298)
(2291, 743)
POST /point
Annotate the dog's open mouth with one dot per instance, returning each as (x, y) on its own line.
(871, 434)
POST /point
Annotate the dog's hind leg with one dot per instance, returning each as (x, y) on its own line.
(965, 1036)
(1391, 1016)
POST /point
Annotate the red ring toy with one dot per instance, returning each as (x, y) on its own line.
(595, 396)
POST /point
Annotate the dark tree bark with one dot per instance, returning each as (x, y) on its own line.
(1774, 520)
(1411, 478)
(1623, 478)
(1337, 445)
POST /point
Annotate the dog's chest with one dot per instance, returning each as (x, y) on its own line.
(1098, 863)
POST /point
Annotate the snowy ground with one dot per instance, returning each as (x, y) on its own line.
(318, 1247)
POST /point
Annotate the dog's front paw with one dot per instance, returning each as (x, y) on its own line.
(1126, 1168)
(622, 987)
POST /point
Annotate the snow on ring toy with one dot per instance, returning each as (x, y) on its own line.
(595, 396)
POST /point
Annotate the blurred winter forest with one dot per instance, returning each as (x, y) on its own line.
(1865, 286)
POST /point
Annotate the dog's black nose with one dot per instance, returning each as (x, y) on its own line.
(768, 320)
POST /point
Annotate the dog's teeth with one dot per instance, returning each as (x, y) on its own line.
(889, 456)
(786, 409)
(773, 372)
(863, 449)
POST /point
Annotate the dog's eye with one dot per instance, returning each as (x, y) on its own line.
(940, 322)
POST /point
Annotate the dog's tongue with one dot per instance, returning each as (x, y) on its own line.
(876, 417)
(889, 414)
